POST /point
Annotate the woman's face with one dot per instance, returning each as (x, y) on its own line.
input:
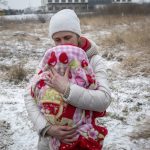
(65, 37)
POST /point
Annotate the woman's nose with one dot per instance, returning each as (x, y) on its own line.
(63, 42)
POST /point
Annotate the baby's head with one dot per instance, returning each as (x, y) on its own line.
(66, 55)
(63, 56)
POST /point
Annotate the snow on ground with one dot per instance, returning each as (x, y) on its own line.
(13, 112)
(130, 94)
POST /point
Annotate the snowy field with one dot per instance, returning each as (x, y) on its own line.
(127, 62)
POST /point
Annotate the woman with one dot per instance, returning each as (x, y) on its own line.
(65, 29)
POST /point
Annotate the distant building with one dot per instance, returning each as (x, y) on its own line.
(55, 5)
(79, 5)
(101, 2)
(122, 1)
(94, 4)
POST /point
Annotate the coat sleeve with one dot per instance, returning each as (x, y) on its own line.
(95, 100)
(35, 115)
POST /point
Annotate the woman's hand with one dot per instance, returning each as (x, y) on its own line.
(58, 82)
(64, 133)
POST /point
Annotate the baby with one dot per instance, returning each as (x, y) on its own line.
(53, 106)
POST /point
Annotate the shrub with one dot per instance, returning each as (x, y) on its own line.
(125, 9)
(41, 18)
(17, 73)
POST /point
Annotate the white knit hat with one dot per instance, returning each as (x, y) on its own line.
(64, 20)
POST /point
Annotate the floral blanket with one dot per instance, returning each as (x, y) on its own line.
(56, 110)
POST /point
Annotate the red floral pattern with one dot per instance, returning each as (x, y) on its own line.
(63, 58)
(90, 79)
(40, 84)
(82, 144)
(84, 63)
(52, 60)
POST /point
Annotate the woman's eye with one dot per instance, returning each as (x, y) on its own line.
(57, 40)
(67, 38)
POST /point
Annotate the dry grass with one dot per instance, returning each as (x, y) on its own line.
(17, 73)
(113, 40)
(137, 63)
(109, 20)
(136, 36)
(26, 34)
(129, 32)
(130, 62)
(142, 130)
(23, 37)
(26, 26)
(4, 52)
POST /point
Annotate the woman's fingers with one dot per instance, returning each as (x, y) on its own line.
(54, 71)
(49, 84)
(67, 72)
(51, 73)
(70, 136)
(55, 80)
(49, 77)
(62, 132)
(68, 130)
(70, 140)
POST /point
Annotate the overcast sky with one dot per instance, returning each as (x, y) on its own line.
(19, 4)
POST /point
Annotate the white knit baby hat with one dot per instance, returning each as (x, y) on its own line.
(64, 20)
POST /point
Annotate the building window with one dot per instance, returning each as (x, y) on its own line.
(50, 1)
(70, 1)
(82, 1)
(76, 1)
(129, 0)
(56, 1)
(63, 1)
(118, 0)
